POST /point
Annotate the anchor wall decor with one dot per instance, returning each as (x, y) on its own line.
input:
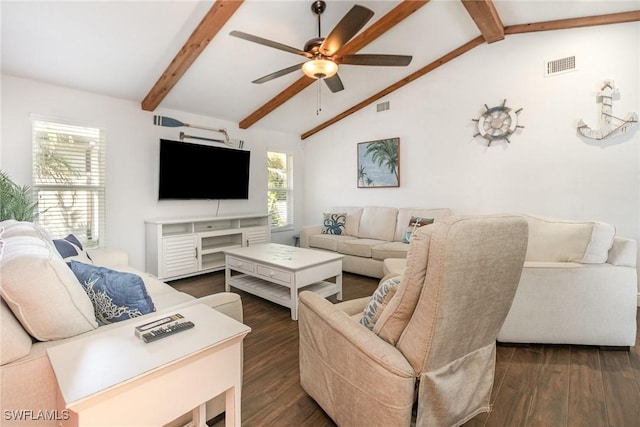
(610, 124)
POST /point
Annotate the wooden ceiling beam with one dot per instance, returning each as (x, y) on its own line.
(411, 77)
(212, 22)
(485, 15)
(562, 24)
(375, 30)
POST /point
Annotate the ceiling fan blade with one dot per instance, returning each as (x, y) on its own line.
(269, 43)
(334, 83)
(277, 74)
(348, 27)
(374, 59)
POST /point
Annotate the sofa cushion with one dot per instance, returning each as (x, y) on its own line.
(334, 223)
(116, 295)
(378, 223)
(405, 214)
(394, 266)
(379, 300)
(70, 248)
(352, 227)
(389, 250)
(14, 341)
(558, 240)
(11, 228)
(42, 291)
(328, 242)
(357, 247)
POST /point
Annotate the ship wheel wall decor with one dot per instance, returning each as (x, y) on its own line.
(497, 123)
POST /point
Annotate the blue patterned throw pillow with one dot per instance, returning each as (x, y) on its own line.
(379, 300)
(115, 295)
(334, 223)
(70, 248)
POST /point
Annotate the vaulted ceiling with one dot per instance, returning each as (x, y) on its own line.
(179, 54)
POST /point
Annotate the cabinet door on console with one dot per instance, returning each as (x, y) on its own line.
(179, 255)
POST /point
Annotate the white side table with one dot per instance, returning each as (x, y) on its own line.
(113, 378)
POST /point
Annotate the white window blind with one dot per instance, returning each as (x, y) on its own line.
(69, 179)
(280, 190)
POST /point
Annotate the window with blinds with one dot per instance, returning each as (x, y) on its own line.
(69, 179)
(280, 190)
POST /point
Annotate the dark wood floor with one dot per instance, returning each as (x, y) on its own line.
(540, 385)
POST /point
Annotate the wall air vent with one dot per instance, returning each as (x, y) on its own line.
(383, 106)
(560, 66)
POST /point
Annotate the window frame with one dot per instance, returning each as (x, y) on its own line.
(287, 190)
(73, 179)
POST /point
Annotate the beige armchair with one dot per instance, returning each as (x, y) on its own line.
(433, 346)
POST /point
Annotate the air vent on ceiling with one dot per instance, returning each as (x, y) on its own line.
(560, 66)
(383, 106)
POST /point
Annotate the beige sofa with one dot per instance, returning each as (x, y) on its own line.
(371, 234)
(41, 297)
(578, 286)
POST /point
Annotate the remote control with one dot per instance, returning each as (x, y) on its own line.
(165, 331)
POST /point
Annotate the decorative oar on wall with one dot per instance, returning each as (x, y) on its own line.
(173, 123)
(236, 143)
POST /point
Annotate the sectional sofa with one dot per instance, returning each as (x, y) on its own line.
(43, 304)
(579, 286)
(369, 235)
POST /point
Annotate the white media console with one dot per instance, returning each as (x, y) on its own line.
(182, 247)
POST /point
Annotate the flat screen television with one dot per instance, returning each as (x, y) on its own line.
(197, 171)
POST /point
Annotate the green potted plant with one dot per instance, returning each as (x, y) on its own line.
(16, 202)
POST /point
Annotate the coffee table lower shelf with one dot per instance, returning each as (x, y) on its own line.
(278, 294)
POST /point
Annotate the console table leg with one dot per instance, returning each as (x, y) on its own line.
(227, 277)
(294, 302)
(199, 417)
(232, 407)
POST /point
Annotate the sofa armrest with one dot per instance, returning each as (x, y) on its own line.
(228, 303)
(353, 306)
(327, 329)
(306, 231)
(340, 358)
(623, 252)
(110, 258)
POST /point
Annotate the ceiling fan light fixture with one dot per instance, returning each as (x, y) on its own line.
(320, 68)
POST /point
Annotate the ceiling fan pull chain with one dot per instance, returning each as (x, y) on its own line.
(319, 99)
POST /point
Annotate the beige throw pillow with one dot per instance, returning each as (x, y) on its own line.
(42, 291)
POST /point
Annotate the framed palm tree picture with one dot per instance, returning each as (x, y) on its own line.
(379, 163)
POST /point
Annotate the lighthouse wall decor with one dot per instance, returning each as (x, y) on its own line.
(610, 124)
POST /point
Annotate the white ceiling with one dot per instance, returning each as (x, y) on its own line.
(120, 48)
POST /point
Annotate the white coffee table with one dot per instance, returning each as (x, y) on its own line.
(278, 272)
(113, 378)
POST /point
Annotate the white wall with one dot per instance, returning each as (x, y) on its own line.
(547, 169)
(132, 156)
